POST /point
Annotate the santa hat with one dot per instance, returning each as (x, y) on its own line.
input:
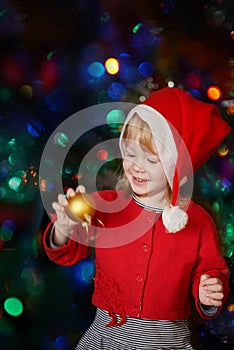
(186, 132)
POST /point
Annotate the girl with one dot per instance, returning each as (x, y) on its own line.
(154, 249)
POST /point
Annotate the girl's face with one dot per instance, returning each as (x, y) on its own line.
(145, 174)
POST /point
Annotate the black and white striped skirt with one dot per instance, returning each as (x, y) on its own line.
(135, 334)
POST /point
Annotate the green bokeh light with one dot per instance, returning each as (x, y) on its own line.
(13, 306)
(115, 117)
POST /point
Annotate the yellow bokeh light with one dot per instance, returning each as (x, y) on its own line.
(223, 150)
(231, 307)
(214, 93)
(112, 65)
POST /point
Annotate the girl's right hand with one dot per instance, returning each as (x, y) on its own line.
(63, 223)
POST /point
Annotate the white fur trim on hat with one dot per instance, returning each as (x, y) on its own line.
(174, 219)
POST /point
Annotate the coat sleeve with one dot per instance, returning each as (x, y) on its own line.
(209, 261)
(67, 254)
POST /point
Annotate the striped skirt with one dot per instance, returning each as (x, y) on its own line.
(135, 334)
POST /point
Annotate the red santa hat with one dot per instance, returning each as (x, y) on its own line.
(186, 132)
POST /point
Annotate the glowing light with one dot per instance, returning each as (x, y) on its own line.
(7, 230)
(13, 306)
(86, 272)
(231, 307)
(33, 282)
(112, 66)
(12, 143)
(215, 206)
(137, 27)
(224, 185)
(62, 343)
(35, 128)
(26, 91)
(170, 83)
(50, 55)
(115, 117)
(14, 183)
(230, 109)
(61, 139)
(223, 151)
(146, 69)
(96, 69)
(229, 230)
(232, 34)
(142, 98)
(116, 91)
(102, 154)
(214, 93)
(13, 159)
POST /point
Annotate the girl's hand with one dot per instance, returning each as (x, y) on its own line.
(210, 291)
(64, 224)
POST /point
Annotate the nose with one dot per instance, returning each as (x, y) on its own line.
(138, 166)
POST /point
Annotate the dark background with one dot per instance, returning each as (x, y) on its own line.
(46, 48)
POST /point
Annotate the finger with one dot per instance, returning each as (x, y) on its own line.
(70, 193)
(211, 281)
(214, 288)
(204, 278)
(80, 189)
(215, 299)
(62, 199)
(57, 207)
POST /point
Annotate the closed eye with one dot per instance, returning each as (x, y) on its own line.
(130, 155)
(153, 160)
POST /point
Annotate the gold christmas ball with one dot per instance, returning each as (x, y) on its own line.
(80, 207)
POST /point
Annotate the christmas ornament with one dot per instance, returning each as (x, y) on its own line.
(81, 207)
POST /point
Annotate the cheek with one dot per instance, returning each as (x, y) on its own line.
(159, 175)
(126, 165)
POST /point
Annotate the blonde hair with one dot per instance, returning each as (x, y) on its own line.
(138, 129)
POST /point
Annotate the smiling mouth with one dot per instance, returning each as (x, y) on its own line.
(139, 180)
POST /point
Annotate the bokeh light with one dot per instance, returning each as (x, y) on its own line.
(102, 154)
(7, 230)
(26, 91)
(112, 65)
(214, 93)
(14, 183)
(96, 69)
(61, 139)
(223, 151)
(33, 281)
(114, 118)
(146, 69)
(116, 91)
(13, 306)
(35, 128)
(62, 343)
(137, 27)
(230, 109)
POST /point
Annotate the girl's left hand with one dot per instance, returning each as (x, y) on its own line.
(210, 291)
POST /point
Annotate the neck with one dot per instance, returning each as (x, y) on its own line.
(157, 201)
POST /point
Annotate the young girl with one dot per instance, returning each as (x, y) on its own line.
(154, 249)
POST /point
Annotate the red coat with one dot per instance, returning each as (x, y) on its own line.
(154, 275)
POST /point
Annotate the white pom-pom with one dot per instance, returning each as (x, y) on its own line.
(174, 219)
